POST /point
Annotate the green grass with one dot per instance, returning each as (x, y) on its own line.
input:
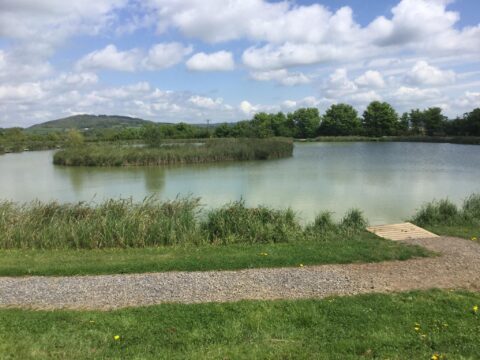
(214, 150)
(445, 218)
(469, 232)
(363, 247)
(360, 327)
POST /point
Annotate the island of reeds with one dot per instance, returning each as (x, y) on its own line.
(213, 150)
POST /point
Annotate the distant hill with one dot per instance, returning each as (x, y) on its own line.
(90, 122)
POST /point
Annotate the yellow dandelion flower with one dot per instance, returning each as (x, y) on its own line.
(475, 309)
(417, 328)
(116, 337)
(435, 357)
(301, 265)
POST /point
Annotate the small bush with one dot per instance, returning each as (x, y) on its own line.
(235, 223)
(471, 207)
(323, 224)
(353, 221)
(437, 212)
(444, 212)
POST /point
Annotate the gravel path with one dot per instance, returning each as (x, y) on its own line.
(458, 267)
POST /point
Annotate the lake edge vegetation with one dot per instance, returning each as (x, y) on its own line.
(378, 121)
(445, 218)
(75, 239)
(211, 150)
(124, 223)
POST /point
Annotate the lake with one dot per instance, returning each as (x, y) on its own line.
(388, 181)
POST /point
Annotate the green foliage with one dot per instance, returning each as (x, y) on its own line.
(471, 207)
(306, 122)
(469, 125)
(380, 119)
(235, 223)
(114, 223)
(340, 120)
(353, 221)
(176, 153)
(434, 121)
(74, 138)
(444, 212)
(126, 224)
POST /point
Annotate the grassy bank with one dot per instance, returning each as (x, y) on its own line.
(359, 327)
(121, 236)
(445, 218)
(467, 140)
(214, 150)
(362, 247)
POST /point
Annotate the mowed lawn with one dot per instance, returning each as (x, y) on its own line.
(415, 325)
(361, 247)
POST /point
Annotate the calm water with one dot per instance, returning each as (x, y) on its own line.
(387, 180)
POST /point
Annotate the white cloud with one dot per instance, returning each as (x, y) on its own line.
(415, 94)
(218, 61)
(468, 101)
(14, 68)
(67, 80)
(370, 79)
(28, 92)
(281, 76)
(110, 58)
(339, 84)
(365, 97)
(247, 108)
(165, 55)
(44, 24)
(205, 102)
(424, 74)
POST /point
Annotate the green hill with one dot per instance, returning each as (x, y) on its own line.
(90, 122)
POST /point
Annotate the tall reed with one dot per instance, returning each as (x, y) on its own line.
(444, 212)
(125, 223)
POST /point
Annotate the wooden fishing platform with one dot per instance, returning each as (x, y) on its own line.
(399, 232)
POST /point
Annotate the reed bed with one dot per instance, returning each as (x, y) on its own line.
(128, 224)
(214, 150)
(444, 212)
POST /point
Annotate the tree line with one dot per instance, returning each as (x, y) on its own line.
(379, 119)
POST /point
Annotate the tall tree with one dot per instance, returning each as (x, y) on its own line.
(472, 120)
(434, 121)
(306, 120)
(341, 120)
(380, 119)
(417, 122)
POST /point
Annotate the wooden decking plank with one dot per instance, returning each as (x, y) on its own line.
(398, 232)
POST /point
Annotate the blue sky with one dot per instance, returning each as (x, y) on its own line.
(192, 60)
